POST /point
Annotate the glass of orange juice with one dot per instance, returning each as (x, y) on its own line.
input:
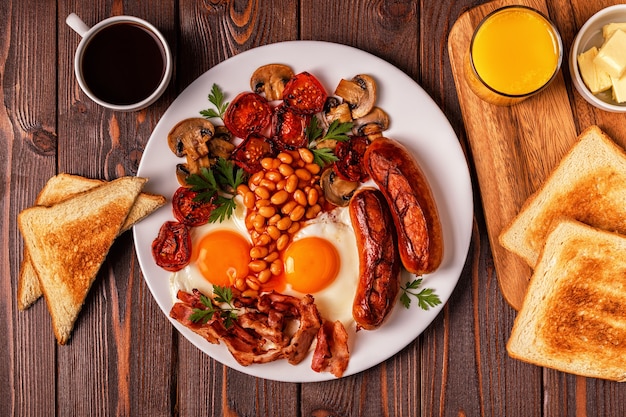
(515, 52)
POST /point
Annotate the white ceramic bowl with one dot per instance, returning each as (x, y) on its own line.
(590, 34)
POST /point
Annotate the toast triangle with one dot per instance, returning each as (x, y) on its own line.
(588, 185)
(69, 241)
(59, 188)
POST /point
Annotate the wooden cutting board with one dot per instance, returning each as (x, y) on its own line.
(513, 149)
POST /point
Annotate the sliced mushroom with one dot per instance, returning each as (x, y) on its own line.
(221, 146)
(359, 93)
(271, 79)
(371, 125)
(337, 190)
(189, 137)
(192, 167)
(222, 132)
(335, 110)
(182, 172)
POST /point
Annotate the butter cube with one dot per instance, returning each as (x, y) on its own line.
(612, 55)
(596, 79)
(609, 29)
(619, 89)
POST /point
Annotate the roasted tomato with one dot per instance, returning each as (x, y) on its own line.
(172, 247)
(289, 127)
(187, 210)
(349, 165)
(247, 113)
(304, 94)
(248, 154)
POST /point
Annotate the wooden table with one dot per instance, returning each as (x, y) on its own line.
(125, 358)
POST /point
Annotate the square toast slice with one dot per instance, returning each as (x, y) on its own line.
(573, 318)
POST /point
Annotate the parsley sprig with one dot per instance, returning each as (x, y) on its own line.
(204, 184)
(221, 295)
(216, 97)
(426, 298)
(218, 185)
(315, 134)
(338, 131)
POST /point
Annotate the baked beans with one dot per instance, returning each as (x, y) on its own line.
(278, 199)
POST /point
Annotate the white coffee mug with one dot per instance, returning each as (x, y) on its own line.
(122, 63)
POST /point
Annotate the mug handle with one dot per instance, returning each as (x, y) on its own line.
(77, 24)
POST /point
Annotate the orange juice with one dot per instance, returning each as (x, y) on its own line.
(515, 52)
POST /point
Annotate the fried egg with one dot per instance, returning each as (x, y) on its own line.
(321, 260)
(220, 254)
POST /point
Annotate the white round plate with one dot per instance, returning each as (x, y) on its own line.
(416, 121)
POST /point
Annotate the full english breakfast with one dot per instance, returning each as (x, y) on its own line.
(283, 216)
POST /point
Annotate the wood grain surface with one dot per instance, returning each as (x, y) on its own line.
(521, 144)
(124, 358)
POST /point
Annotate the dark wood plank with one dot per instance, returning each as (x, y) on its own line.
(28, 142)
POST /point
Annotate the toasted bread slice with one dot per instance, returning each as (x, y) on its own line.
(60, 188)
(573, 318)
(588, 185)
(69, 241)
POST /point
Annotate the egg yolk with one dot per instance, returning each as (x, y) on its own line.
(311, 264)
(222, 256)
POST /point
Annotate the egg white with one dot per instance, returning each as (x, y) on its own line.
(190, 277)
(335, 301)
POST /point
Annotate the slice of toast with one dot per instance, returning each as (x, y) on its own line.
(573, 317)
(60, 188)
(588, 185)
(69, 241)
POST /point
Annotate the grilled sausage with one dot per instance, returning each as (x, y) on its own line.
(413, 208)
(379, 262)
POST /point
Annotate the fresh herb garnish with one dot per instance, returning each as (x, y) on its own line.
(313, 131)
(222, 295)
(228, 174)
(224, 209)
(323, 156)
(338, 131)
(204, 184)
(217, 185)
(216, 97)
(426, 298)
(315, 134)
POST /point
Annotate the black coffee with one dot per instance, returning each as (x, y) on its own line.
(123, 63)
